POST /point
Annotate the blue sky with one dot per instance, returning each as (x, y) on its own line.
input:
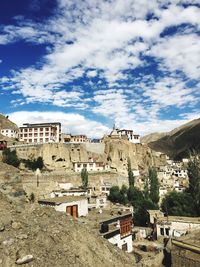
(92, 63)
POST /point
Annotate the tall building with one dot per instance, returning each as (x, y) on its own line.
(40, 132)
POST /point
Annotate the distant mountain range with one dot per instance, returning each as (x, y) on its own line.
(178, 142)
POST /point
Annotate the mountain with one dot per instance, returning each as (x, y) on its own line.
(178, 142)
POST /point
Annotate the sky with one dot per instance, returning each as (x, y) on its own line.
(94, 63)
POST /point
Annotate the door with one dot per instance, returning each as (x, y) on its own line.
(125, 247)
(68, 210)
(75, 211)
(72, 210)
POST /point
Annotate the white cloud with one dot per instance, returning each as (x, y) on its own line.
(71, 122)
(104, 39)
(179, 52)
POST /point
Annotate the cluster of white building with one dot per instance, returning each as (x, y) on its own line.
(172, 177)
(51, 132)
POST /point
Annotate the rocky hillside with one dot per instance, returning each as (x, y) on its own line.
(180, 141)
(47, 238)
(6, 123)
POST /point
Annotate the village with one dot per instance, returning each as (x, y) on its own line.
(90, 203)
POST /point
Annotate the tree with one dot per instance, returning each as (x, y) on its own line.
(84, 177)
(141, 215)
(135, 196)
(10, 157)
(178, 204)
(118, 195)
(146, 188)
(131, 178)
(194, 179)
(153, 186)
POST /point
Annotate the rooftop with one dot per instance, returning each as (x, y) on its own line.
(39, 124)
(60, 200)
(117, 218)
(179, 219)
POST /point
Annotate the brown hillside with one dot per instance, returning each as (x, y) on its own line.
(6, 123)
(179, 142)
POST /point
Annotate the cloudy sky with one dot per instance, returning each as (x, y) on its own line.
(92, 63)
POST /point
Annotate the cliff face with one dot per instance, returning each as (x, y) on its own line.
(113, 152)
(141, 156)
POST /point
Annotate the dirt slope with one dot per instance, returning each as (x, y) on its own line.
(52, 238)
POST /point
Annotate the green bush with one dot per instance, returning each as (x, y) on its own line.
(179, 204)
(34, 164)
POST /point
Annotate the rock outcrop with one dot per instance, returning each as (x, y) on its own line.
(114, 152)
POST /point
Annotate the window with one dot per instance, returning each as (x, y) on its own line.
(167, 231)
(41, 140)
(78, 165)
(25, 130)
(30, 130)
(46, 139)
(47, 129)
(125, 227)
(84, 165)
(25, 135)
(30, 140)
(41, 129)
(35, 134)
(162, 231)
(35, 140)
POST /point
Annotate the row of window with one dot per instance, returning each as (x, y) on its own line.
(35, 134)
(6, 131)
(41, 140)
(34, 129)
(79, 165)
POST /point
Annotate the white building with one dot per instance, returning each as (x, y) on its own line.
(133, 138)
(81, 138)
(72, 205)
(40, 132)
(105, 189)
(69, 192)
(175, 226)
(180, 173)
(90, 166)
(11, 133)
(118, 231)
(97, 202)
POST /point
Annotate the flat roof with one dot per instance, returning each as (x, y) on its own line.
(116, 218)
(39, 124)
(179, 219)
(60, 200)
(88, 162)
(70, 190)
